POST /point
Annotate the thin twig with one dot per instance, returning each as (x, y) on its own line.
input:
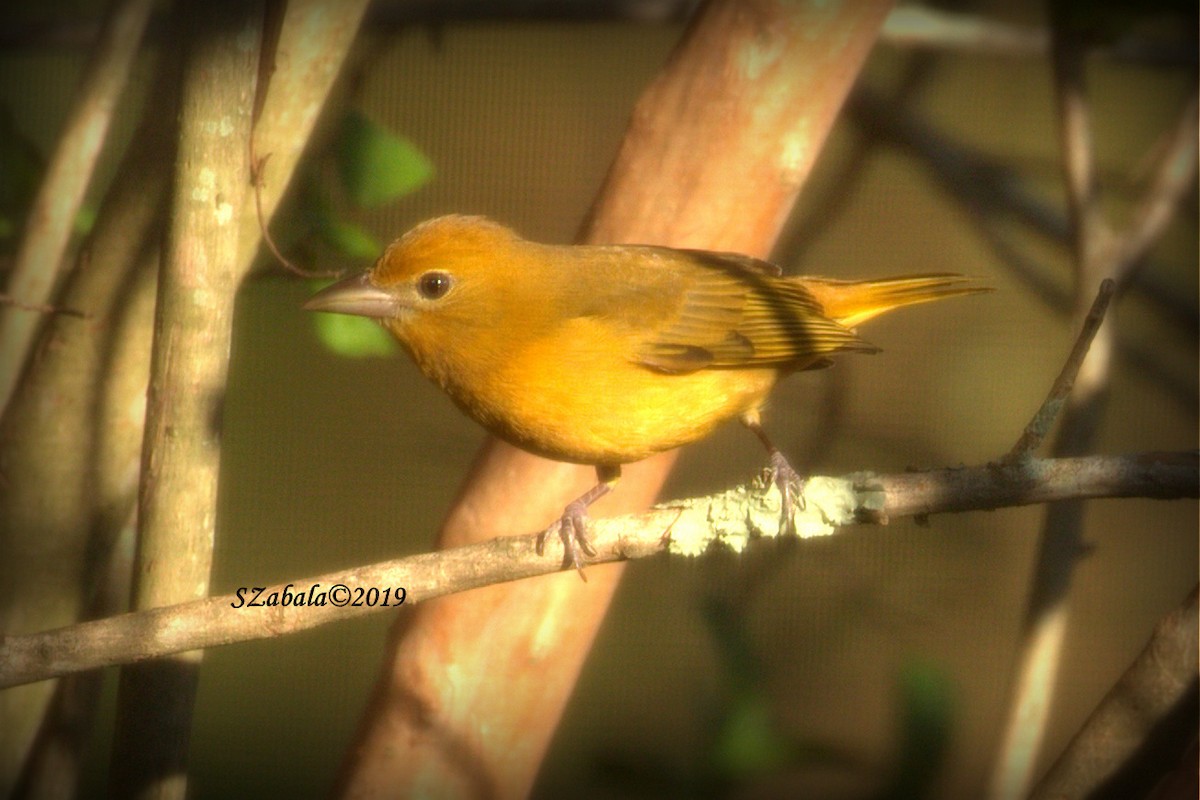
(1035, 432)
(748, 513)
(40, 308)
(257, 166)
(1089, 232)
(1061, 542)
(1174, 172)
(996, 194)
(274, 17)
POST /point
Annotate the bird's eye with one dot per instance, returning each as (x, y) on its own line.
(434, 285)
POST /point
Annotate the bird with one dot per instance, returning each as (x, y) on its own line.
(606, 354)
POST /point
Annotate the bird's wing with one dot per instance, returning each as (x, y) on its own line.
(735, 311)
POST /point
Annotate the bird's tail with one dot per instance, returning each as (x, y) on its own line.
(853, 302)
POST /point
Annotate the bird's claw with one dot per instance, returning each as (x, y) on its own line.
(791, 490)
(572, 529)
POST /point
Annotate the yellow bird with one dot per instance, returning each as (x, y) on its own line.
(607, 354)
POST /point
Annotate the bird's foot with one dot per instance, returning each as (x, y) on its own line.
(791, 490)
(572, 529)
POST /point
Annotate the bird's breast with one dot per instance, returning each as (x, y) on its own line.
(578, 395)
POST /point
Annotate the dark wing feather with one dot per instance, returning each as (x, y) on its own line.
(736, 312)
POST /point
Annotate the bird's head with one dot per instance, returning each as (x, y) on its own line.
(444, 277)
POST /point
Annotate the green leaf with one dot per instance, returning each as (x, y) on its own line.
(926, 717)
(347, 238)
(350, 239)
(353, 337)
(377, 165)
(749, 743)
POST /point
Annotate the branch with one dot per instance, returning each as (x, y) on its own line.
(1173, 174)
(1154, 686)
(258, 166)
(1061, 540)
(40, 308)
(310, 47)
(921, 27)
(1102, 257)
(1039, 426)
(193, 326)
(912, 26)
(305, 57)
(995, 195)
(685, 527)
(71, 434)
(55, 762)
(52, 216)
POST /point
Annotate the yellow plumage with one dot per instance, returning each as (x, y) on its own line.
(607, 354)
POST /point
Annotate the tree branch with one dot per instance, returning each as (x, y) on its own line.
(1040, 425)
(52, 216)
(1173, 174)
(1158, 681)
(921, 27)
(70, 437)
(911, 26)
(1102, 256)
(995, 195)
(193, 325)
(685, 527)
(1061, 541)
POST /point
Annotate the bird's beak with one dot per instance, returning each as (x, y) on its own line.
(355, 295)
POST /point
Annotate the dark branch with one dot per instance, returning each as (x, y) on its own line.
(1039, 426)
(732, 518)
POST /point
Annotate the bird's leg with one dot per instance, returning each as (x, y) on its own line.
(572, 526)
(783, 474)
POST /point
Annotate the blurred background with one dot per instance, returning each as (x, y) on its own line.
(862, 665)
